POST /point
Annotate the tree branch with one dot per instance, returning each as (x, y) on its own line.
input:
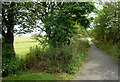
(41, 28)
(3, 33)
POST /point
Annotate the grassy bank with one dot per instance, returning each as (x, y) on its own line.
(49, 64)
(30, 75)
(109, 48)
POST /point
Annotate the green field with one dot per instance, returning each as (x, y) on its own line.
(23, 44)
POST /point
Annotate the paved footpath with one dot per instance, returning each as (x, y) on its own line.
(98, 66)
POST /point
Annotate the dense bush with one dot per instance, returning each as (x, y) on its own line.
(12, 66)
(65, 59)
(9, 66)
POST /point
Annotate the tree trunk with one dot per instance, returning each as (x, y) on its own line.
(8, 44)
(8, 47)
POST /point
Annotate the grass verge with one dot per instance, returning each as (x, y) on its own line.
(32, 75)
(109, 48)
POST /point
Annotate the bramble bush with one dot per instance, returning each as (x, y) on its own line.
(57, 59)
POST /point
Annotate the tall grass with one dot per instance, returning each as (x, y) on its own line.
(67, 59)
(109, 48)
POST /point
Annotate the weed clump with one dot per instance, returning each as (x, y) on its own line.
(54, 59)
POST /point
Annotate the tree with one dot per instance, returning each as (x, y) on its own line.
(107, 23)
(28, 14)
(60, 24)
(15, 13)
